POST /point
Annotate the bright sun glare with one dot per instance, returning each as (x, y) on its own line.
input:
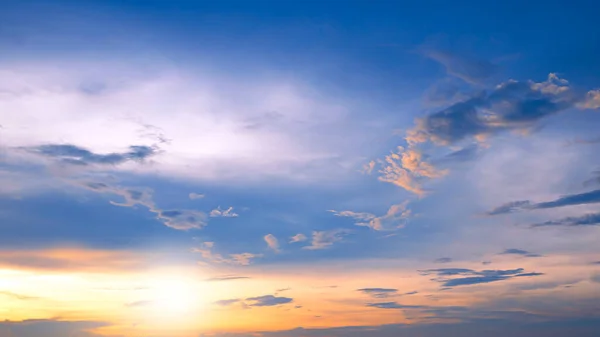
(174, 296)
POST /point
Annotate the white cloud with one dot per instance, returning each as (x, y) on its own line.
(226, 213)
(272, 242)
(194, 196)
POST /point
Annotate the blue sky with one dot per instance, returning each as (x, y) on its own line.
(239, 167)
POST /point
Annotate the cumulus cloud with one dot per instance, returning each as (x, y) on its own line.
(514, 251)
(325, 239)
(395, 218)
(74, 155)
(206, 250)
(406, 168)
(268, 301)
(225, 213)
(272, 242)
(298, 238)
(566, 200)
(590, 219)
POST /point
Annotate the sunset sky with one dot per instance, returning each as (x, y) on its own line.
(173, 168)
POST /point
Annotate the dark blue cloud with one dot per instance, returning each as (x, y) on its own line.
(393, 305)
(514, 251)
(71, 154)
(591, 219)
(473, 280)
(474, 277)
(268, 301)
(567, 200)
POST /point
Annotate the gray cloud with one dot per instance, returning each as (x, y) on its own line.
(591, 219)
(74, 155)
(49, 328)
(268, 301)
(443, 260)
(514, 251)
(394, 305)
(229, 302)
(379, 292)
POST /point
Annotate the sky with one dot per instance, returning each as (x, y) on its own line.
(299, 168)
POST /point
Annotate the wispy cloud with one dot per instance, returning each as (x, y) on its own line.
(590, 219)
(379, 292)
(75, 155)
(194, 196)
(514, 251)
(395, 218)
(206, 251)
(471, 277)
(227, 278)
(443, 260)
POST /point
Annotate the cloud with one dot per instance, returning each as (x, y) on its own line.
(474, 277)
(20, 297)
(268, 301)
(206, 251)
(591, 101)
(514, 251)
(227, 213)
(443, 260)
(272, 242)
(194, 196)
(395, 218)
(298, 238)
(325, 239)
(566, 200)
(226, 303)
(226, 278)
(138, 304)
(74, 155)
(591, 219)
(469, 69)
(180, 219)
(596, 278)
(394, 305)
(369, 167)
(379, 292)
(406, 168)
(49, 328)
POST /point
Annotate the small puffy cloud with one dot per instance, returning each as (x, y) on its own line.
(226, 213)
(369, 167)
(272, 242)
(443, 260)
(514, 251)
(194, 196)
(395, 218)
(75, 155)
(379, 292)
(268, 301)
(590, 219)
(298, 238)
(325, 239)
(406, 167)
